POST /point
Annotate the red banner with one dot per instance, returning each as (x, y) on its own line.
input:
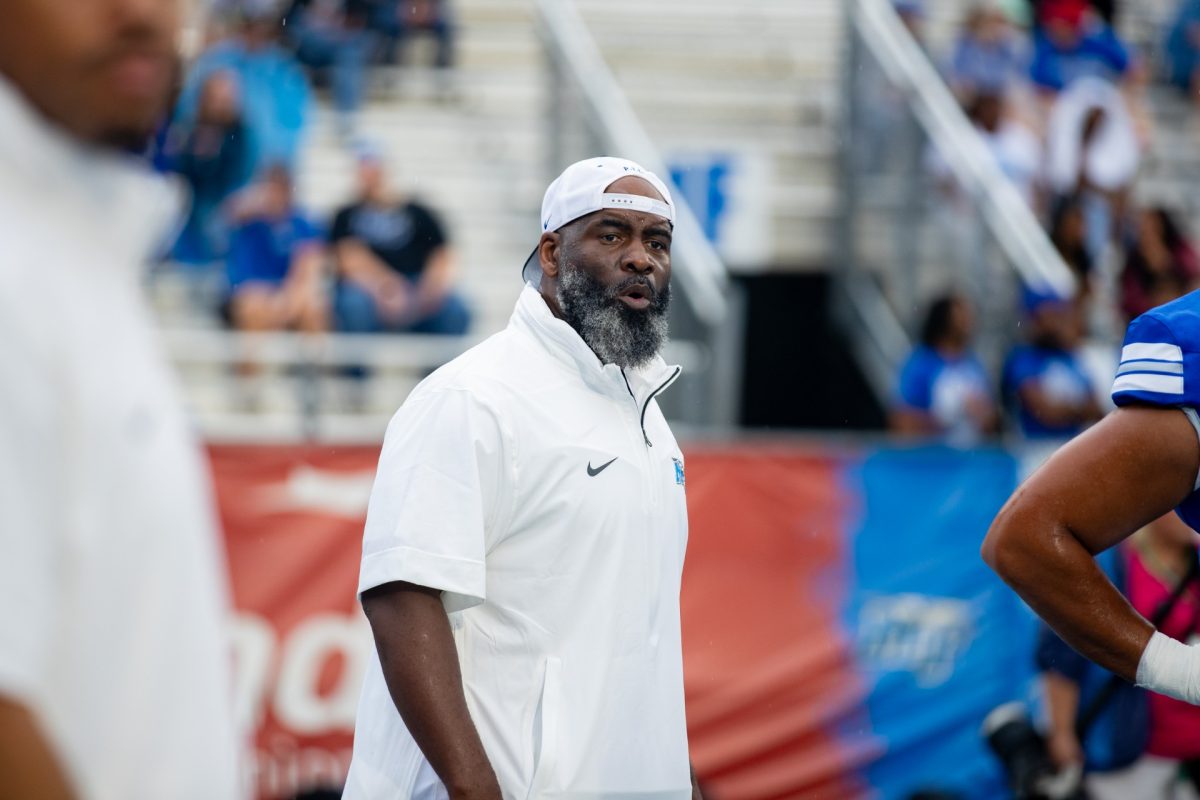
(768, 674)
(293, 521)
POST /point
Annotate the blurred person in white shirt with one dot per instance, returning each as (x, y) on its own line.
(113, 655)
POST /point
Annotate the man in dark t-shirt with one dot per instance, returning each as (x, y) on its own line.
(394, 263)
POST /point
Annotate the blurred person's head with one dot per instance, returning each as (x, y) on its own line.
(260, 20)
(986, 109)
(101, 69)
(1063, 22)
(1055, 323)
(605, 258)
(276, 188)
(1068, 226)
(949, 323)
(986, 22)
(220, 101)
(373, 184)
(1156, 226)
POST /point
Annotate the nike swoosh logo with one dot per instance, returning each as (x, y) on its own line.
(593, 472)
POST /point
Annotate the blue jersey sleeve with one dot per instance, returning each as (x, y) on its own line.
(915, 389)
(1154, 367)
(1023, 364)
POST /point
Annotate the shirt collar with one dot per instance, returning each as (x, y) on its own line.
(133, 210)
(533, 316)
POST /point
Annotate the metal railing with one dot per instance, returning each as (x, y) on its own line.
(898, 244)
(306, 369)
(589, 114)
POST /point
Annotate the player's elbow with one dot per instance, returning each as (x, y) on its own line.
(1006, 548)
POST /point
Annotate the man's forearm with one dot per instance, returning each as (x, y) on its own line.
(1057, 576)
(420, 665)
(28, 766)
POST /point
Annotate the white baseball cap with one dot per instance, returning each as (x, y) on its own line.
(582, 189)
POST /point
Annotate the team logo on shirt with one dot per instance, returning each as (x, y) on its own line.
(679, 477)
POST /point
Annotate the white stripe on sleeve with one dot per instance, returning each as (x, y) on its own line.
(1144, 382)
(1195, 420)
(1158, 351)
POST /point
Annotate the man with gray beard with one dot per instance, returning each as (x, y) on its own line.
(525, 537)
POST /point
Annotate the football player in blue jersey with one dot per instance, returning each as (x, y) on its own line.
(1133, 466)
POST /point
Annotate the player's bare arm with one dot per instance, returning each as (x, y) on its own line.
(420, 665)
(1131, 468)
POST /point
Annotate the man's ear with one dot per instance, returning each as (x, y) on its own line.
(548, 251)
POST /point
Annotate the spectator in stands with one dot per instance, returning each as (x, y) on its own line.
(1068, 232)
(1017, 150)
(334, 35)
(1164, 556)
(1078, 692)
(1138, 740)
(1071, 43)
(987, 57)
(1182, 48)
(1160, 264)
(212, 154)
(943, 389)
(1105, 9)
(274, 89)
(394, 264)
(1092, 156)
(399, 20)
(275, 262)
(1045, 381)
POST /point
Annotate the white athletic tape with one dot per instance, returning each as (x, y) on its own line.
(1170, 667)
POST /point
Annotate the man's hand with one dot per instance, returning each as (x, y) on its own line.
(1064, 749)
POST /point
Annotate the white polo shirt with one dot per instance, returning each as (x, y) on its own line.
(543, 493)
(112, 589)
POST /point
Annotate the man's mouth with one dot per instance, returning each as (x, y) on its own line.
(638, 296)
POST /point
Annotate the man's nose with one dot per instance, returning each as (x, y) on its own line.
(637, 259)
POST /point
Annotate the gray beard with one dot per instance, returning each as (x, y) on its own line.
(616, 333)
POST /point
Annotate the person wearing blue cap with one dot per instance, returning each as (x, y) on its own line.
(1044, 380)
(525, 536)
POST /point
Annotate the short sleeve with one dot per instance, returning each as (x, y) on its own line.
(1152, 368)
(341, 225)
(31, 489)
(916, 382)
(429, 229)
(442, 494)
(307, 232)
(1021, 366)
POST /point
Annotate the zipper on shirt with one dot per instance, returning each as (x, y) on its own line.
(632, 396)
(646, 405)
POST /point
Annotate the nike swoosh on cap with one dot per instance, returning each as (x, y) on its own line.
(594, 471)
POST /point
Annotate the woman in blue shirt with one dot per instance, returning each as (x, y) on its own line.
(943, 389)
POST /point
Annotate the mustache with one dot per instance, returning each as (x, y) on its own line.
(137, 39)
(634, 281)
